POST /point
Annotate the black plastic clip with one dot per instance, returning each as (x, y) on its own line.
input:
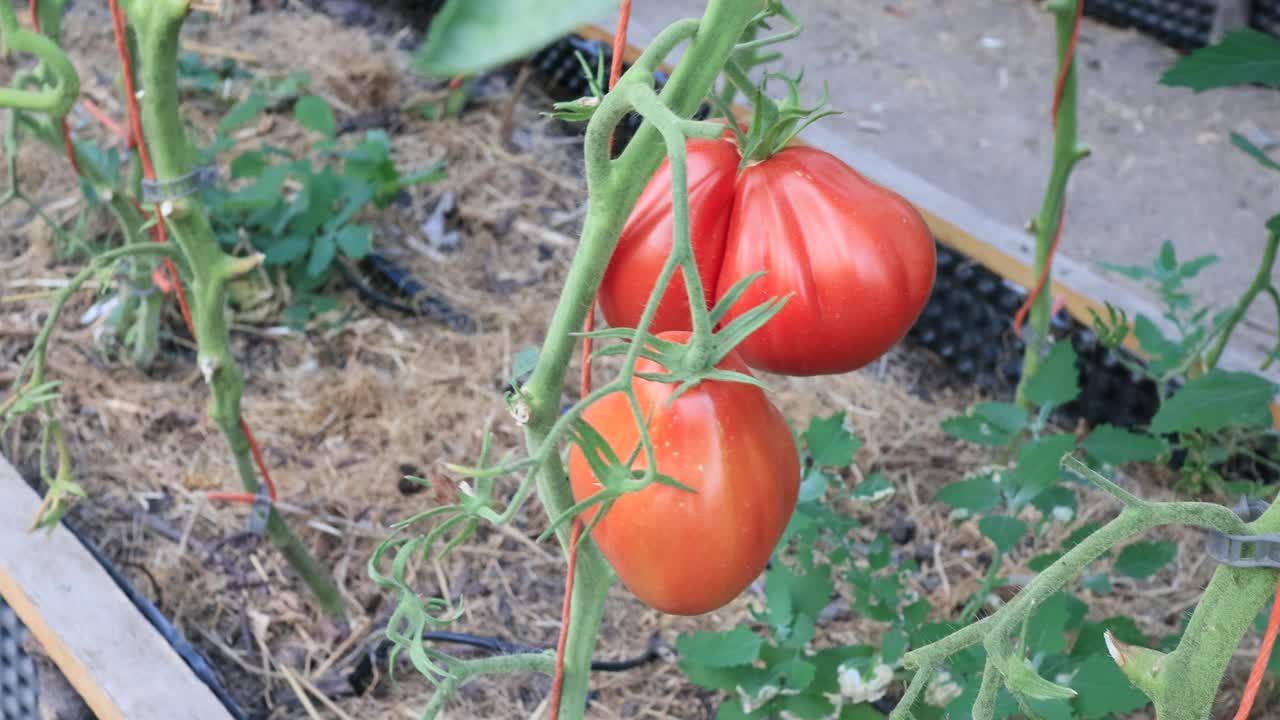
(158, 191)
(1246, 551)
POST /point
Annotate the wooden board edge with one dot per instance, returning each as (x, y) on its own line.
(68, 569)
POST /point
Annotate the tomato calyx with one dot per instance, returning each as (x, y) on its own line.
(773, 123)
(616, 478)
(689, 363)
(581, 109)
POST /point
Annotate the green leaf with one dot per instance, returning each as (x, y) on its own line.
(1117, 446)
(1008, 417)
(1103, 690)
(472, 36)
(242, 113)
(1039, 467)
(735, 647)
(1141, 560)
(1056, 380)
(353, 240)
(1090, 639)
(1002, 530)
(286, 250)
(1242, 58)
(1022, 678)
(248, 164)
(830, 443)
(1099, 583)
(874, 489)
(977, 495)
(1216, 400)
(1047, 627)
(1041, 562)
(1051, 501)
(893, 645)
(524, 362)
(313, 113)
(322, 253)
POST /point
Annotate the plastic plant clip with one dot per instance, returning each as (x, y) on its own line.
(260, 512)
(1246, 550)
(159, 191)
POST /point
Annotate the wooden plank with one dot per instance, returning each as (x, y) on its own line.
(122, 667)
(1005, 251)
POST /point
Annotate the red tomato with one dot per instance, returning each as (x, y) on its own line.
(858, 258)
(646, 240)
(689, 553)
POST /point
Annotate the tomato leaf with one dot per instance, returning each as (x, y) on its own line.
(313, 113)
(471, 36)
(1002, 530)
(242, 113)
(830, 443)
(1242, 58)
(1141, 560)
(1116, 446)
(1056, 381)
(1104, 690)
(1254, 151)
(735, 647)
(1216, 400)
(874, 489)
(322, 253)
(286, 250)
(1038, 467)
(977, 495)
(990, 423)
(353, 240)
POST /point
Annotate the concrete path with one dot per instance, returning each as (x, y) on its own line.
(958, 94)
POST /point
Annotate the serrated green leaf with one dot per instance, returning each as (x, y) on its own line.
(1103, 690)
(893, 645)
(472, 36)
(1056, 380)
(830, 443)
(322, 254)
(874, 489)
(353, 240)
(1141, 560)
(242, 113)
(1038, 467)
(313, 113)
(1117, 446)
(733, 648)
(977, 430)
(977, 495)
(1217, 400)
(1006, 416)
(1002, 530)
(1242, 58)
(1055, 500)
(286, 250)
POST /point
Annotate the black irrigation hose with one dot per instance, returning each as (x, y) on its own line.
(419, 301)
(504, 647)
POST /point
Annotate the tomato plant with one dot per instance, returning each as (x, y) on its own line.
(857, 260)
(646, 241)
(730, 445)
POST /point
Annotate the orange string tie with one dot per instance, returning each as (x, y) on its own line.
(588, 324)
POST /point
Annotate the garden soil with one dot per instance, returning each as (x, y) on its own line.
(363, 397)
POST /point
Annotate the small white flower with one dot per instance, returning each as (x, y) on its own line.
(864, 690)
(1063, 514)
(941, 690)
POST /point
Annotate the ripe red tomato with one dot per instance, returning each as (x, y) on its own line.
(858, 258)
(646, 240)
(689, 553)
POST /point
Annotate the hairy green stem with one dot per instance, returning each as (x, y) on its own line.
(1261, 283)
(157, 23)
(1066, 153)
(463, 670)
(613, 186)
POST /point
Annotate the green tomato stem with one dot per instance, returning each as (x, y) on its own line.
(1066, 153)
(1261, 283)
(157, 24)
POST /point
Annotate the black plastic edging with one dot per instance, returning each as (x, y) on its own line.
(19, 685)
(1180, 24)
